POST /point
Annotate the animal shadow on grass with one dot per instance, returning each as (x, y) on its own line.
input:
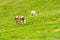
(28, 24)
(20, 24)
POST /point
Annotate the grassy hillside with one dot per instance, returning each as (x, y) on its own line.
(46, 26)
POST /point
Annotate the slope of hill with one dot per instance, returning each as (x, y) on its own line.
(46, 26)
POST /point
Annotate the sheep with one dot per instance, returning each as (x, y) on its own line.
(20, 19)
(33, 13)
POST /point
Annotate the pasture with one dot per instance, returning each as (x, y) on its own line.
(45, 26)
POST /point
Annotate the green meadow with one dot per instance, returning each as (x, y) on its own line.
(45, 26)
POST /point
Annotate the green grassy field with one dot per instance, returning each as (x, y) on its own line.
(46, 26)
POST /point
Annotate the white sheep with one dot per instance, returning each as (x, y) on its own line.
(33, 13)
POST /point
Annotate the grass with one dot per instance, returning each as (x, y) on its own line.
(46, 26)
